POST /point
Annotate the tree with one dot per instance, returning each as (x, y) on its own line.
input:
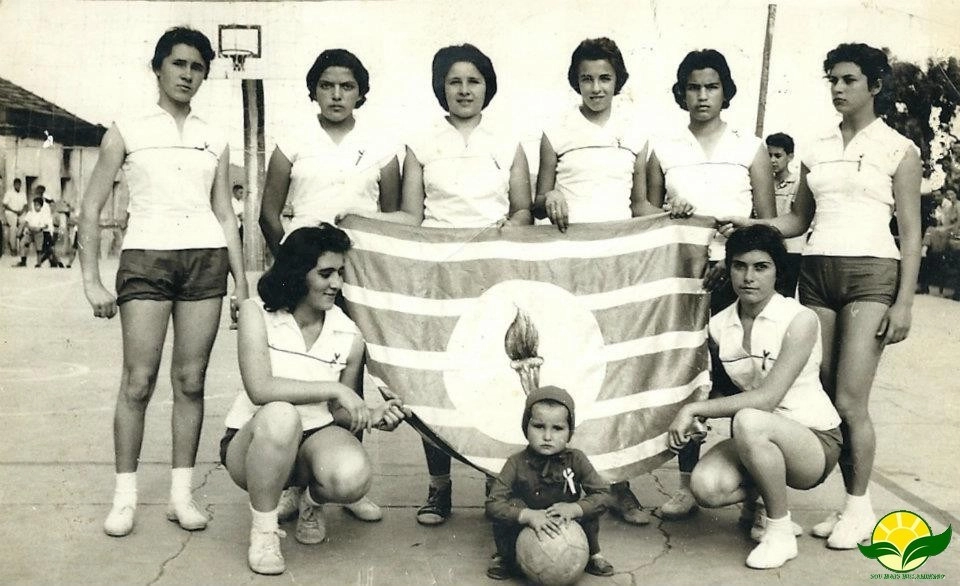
(922, 104)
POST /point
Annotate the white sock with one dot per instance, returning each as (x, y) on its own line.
(125, 491)
(782, 525)
(180, 485)
(858, 505)
(263, 521)
(923, 250)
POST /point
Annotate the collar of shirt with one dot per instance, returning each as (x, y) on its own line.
(874, 128)
(550, 467)
(769, 312)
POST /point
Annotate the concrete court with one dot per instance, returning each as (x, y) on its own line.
(59, 371)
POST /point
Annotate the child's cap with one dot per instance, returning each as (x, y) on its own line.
(549, 393)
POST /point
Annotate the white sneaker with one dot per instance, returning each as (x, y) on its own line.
(851, 530)
(289, 504)
(759, 526)
(311, 526)
(188, 515)
(264, 556)
(681, 505)
(824, 528)
(774, 550)
(365, 510)
(119, 521)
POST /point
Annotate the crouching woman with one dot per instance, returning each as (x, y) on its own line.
(300, 356)
(785, 429)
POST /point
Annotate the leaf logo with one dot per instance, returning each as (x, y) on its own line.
(902, 542)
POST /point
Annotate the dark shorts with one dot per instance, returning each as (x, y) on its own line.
(831, 440)
(172, 275)
(229, 432)
(833, 282)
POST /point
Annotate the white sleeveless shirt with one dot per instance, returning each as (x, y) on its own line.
(466, 183)
(327, 178)
(170, 175)
(289, 358)
(805, 401)
(715, 185)
(595, 165)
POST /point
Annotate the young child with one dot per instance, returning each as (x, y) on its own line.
(37, 224)
(546, 485)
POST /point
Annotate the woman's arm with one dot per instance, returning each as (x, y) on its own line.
(761, 185)
(791, 224)
(656, 190)
(257, 374)
(546, 178)
(906, 194)
(519, 193)
(798, 343)
(223, 210)
(112, 153)
(275, 188)
(639, 202)
(390, 186)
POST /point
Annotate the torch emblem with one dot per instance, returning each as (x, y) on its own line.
(521, 343)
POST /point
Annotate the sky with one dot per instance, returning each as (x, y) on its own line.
(91, 57)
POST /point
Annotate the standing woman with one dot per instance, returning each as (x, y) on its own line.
(333, 163)
(853, 275)
(719, 171)
(180, 243)
(461, 174)
(592, 161)
(592, 169)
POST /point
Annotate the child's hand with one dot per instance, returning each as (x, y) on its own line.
(565, 511)
(541, 523)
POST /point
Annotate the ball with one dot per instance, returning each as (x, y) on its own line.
(555, 560)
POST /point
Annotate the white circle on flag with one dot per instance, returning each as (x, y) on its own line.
(486, 390)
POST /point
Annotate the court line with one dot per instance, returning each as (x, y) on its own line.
(914, 500)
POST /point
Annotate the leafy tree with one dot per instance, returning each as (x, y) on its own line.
(915, 94)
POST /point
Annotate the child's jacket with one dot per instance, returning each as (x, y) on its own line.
(532, 481)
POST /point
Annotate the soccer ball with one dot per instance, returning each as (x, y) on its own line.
(555, 560)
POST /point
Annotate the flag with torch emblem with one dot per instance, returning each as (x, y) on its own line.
(462, 324)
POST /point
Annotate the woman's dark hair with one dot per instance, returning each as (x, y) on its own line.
(704, 59)
(284, 284)
(596, 50)
(465, 53)
(758, 237)
(181, 35)
(872, 62)
(338, 58)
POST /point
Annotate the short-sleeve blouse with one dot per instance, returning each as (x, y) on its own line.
(853, 190)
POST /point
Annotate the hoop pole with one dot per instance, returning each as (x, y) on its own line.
(254, 165)
(765, 68)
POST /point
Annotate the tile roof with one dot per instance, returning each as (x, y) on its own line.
(29, 115)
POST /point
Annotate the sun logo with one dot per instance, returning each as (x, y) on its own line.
(902, 541)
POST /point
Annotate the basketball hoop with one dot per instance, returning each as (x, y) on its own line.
(237, 56)
(239, 42)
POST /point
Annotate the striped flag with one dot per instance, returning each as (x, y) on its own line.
(616, 312)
